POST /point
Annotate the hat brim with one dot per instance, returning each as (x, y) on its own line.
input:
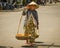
(33, 3)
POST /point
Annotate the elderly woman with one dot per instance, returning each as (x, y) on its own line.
(29, 10)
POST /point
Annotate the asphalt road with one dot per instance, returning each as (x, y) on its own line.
(49, 26)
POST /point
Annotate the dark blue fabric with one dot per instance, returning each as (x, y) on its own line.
(34, 13)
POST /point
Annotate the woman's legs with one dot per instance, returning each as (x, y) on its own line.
(27, 41)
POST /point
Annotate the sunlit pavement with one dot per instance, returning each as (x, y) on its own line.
(49, 19)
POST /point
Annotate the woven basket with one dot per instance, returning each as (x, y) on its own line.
(22, 37)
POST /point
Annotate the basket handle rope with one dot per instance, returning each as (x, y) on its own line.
(19, 24)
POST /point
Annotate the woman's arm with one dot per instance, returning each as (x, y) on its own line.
(25, 10)
(36, 18)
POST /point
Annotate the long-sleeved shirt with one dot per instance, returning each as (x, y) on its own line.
(34, 13)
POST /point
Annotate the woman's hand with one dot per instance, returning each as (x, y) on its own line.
(27, 7)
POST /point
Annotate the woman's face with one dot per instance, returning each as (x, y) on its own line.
(32, 7)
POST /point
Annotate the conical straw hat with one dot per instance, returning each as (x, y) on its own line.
(33, 3)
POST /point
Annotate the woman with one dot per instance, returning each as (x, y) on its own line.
(29, 10)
